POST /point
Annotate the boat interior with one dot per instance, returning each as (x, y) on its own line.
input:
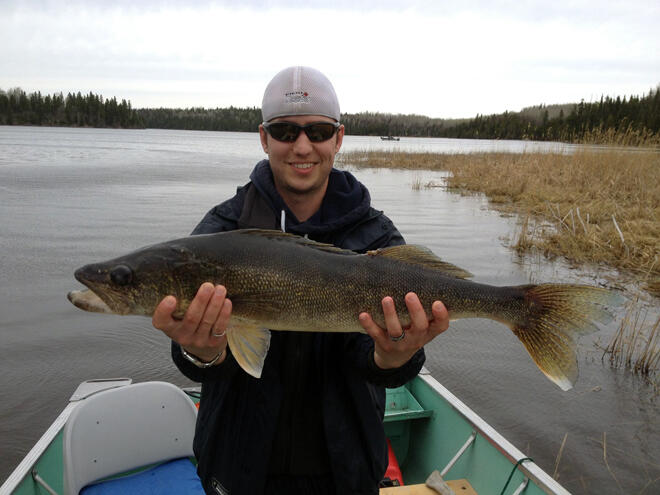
(119, 437)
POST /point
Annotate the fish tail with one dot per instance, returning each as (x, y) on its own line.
(557, 315)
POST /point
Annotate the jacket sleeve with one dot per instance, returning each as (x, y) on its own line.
(224, 370)
(359, 354)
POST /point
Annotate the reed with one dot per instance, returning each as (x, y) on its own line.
(555, 474)
(636, 344)
(623, 137)
(596, 204)
(607, 464)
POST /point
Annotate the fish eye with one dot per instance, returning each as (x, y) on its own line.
(121, 275)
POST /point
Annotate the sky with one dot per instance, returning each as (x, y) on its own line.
(435, 58)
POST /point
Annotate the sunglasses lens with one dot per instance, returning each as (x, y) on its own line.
(283, 131)
(288, 132)
(320, 132)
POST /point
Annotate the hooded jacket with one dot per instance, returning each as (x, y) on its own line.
(249, 428)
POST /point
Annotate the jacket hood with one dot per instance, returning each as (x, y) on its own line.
(346, 200)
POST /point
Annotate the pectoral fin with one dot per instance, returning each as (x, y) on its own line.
(249, 345)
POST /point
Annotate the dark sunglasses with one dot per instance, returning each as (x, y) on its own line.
(288, 132)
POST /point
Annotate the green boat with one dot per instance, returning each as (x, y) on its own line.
(114, 430)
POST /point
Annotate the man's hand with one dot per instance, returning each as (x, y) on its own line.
(393, 354)
(201, 332)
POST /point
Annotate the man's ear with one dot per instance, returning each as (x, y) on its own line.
(263, 135)
(340, 138)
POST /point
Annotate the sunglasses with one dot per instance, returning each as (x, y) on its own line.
(288, 132)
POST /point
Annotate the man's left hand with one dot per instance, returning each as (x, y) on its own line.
(390, 353)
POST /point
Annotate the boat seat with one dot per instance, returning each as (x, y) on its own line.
(459, 487)
(125, 429)
(177, 476)
(401, 405)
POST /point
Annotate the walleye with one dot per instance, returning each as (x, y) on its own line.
(280, 281)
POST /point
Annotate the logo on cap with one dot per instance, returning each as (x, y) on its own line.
(297, 97)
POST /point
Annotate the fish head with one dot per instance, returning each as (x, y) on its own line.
(137, 282)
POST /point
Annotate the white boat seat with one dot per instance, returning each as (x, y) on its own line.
(126, 428)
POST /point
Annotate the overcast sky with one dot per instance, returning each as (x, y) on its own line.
(441, 59)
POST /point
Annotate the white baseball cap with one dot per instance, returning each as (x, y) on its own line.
(299, 91)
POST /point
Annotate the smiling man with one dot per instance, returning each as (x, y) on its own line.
(313, 422)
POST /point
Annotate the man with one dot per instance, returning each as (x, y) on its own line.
(313, 423)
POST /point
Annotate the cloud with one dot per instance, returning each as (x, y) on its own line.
(433, 58)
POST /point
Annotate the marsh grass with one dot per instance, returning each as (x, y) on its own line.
(636, 344)
(596, 205)
(647, 464)
(419, 184)
(643, 138)
(555, 474)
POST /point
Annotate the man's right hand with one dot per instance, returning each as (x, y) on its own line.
(201, 332)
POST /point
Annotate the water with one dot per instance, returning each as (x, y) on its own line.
(72, 196)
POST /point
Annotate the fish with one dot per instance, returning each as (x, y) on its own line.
(280, 281)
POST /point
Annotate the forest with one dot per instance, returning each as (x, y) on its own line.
(200, 119)
(571, 122)
(73, 110)
(620, 116)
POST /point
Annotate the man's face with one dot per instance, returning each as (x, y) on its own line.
(302, 167)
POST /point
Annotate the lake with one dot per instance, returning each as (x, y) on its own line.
(73, 196)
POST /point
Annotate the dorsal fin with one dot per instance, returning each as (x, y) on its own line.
(278, 235)
(421, 256)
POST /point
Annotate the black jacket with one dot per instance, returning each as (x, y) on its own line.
(238, 416)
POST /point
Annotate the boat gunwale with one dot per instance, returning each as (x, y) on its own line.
(85, 389)
(26, 466)
(529, 468)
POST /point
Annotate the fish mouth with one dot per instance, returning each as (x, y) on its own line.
(87, 300)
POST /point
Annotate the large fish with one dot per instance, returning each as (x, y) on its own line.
(280, 281)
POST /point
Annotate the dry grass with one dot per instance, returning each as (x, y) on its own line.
(594, 205)
(397, 159)
(628, 137)
(642, 459)
(555, 474)
(636, 344)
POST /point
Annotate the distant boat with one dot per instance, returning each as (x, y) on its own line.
(390, 138)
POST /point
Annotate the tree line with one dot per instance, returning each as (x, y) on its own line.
(76, 110)
(619, 116)
(201, 119)
(567, 122)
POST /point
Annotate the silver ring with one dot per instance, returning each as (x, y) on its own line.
(220, 334)
(400, 337)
